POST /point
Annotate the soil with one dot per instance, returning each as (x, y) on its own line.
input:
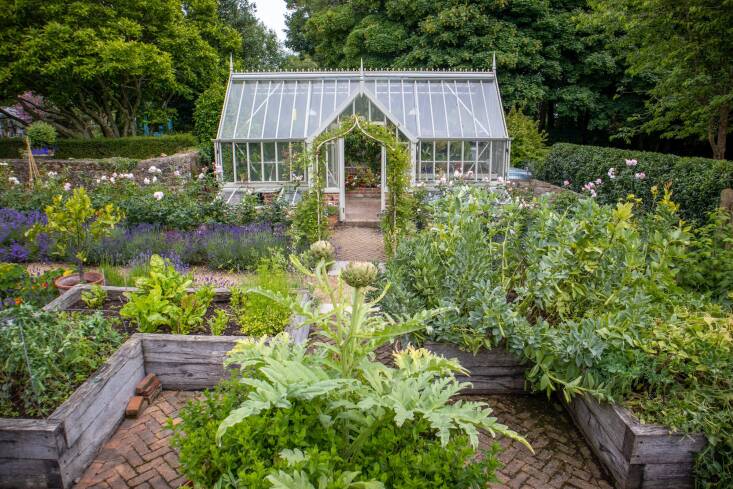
(111, 309)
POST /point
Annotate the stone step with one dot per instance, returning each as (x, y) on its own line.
(360, 224)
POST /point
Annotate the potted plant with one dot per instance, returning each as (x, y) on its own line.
(70, 223)
(332, 211)
(42, 137)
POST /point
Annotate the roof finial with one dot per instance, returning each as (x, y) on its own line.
(231, 62)
(361, 68)
(493, 63)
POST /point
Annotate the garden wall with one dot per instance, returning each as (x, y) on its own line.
(81, 172)
(51, 453)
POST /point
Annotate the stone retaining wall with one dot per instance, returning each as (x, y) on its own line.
(83, 172)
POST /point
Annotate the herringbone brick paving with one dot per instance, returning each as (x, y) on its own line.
(138, 454)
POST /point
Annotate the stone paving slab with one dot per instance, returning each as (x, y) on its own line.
(138, 454)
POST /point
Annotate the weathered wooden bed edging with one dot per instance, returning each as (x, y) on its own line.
(51, 453)
(494, 371)
(638, 456)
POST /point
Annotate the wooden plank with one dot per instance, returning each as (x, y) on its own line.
(494, 357)
(34, 439)
(627, 476)
(111, 407)
(29, 474)
(668, 476)
(617, 430)
(193, 376)
(65, 300)
(95, 397)
(166, 348)
(495, 385)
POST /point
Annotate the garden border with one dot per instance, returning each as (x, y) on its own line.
(54, 452)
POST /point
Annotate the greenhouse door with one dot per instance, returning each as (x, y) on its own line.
(342, 178)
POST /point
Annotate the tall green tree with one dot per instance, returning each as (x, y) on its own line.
(95, 66)
(685, 48)
(551, 63)
(259, 48)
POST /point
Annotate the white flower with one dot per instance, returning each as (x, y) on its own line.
(97, 180)
(631, 162)
(201, 175)
(457, 174)
(114, 175)
(177, 173)
(3, 163)
(13, 180)
(640, 176)
(67, 187)
(112, 180)
(146, 181)
(155, 179)
(152, 169)
(598, 181)
(442, 180)
(566, 183)
(611, 173)
(52, 174)
(104, 178)
(593, 193)
(485, 179)
(500, 179)
(158, 195)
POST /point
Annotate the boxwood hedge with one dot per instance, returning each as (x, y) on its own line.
(696, 182)
(136, 147)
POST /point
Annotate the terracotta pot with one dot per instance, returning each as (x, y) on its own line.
(65, 283)
(333, 220)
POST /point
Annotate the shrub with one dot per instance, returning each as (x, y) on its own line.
(42, 134)
(206, 116)
(529, 143)
(334, 417)
(305, 227)
(11, 147)
(136, 147)
(63, 350)
(696, 182)
(256, 314)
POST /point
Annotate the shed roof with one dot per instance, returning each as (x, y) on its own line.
(425, 104)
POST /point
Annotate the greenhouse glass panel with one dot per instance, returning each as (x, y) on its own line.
(244, 109)
(283, 161)
(441, 159)
(455, 156)
(469, 159)
(424, 110)
(285, 116)
(437, 102)
(255, 162)
(427, 162)
(300, 105)
(484, 160)
(272, 111)
(259, 108)
(242, 164)
(230, 117)
(361, 106)
(296, 149)
(327, 103)
(479, 104)
(499, 157)
(227, 163)
(314, 110)
(268, 161)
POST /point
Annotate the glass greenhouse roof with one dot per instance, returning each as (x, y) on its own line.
(422, 104)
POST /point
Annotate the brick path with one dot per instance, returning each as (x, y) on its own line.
(358, 243)
(138, 455)
(562, 459)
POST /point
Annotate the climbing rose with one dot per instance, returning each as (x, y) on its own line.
(640, 176)
(630, 162)
(611, 173)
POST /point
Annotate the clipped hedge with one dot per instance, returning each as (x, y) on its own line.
(137, 147)
(696, 182)
(10, 147)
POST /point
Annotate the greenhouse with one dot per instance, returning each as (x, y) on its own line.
(452, 123)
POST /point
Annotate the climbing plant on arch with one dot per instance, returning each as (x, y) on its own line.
(396, 220)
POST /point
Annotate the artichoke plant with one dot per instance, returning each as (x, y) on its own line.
(359, 274)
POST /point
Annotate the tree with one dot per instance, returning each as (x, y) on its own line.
(259, 48)
(529, 143)
(96, 65)
(685, 47)
(565, 74)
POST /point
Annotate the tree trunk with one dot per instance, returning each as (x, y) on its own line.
(718, 132)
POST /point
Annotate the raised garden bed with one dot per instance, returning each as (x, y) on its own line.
(53, 452)
(636, 455)
(494, 371)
